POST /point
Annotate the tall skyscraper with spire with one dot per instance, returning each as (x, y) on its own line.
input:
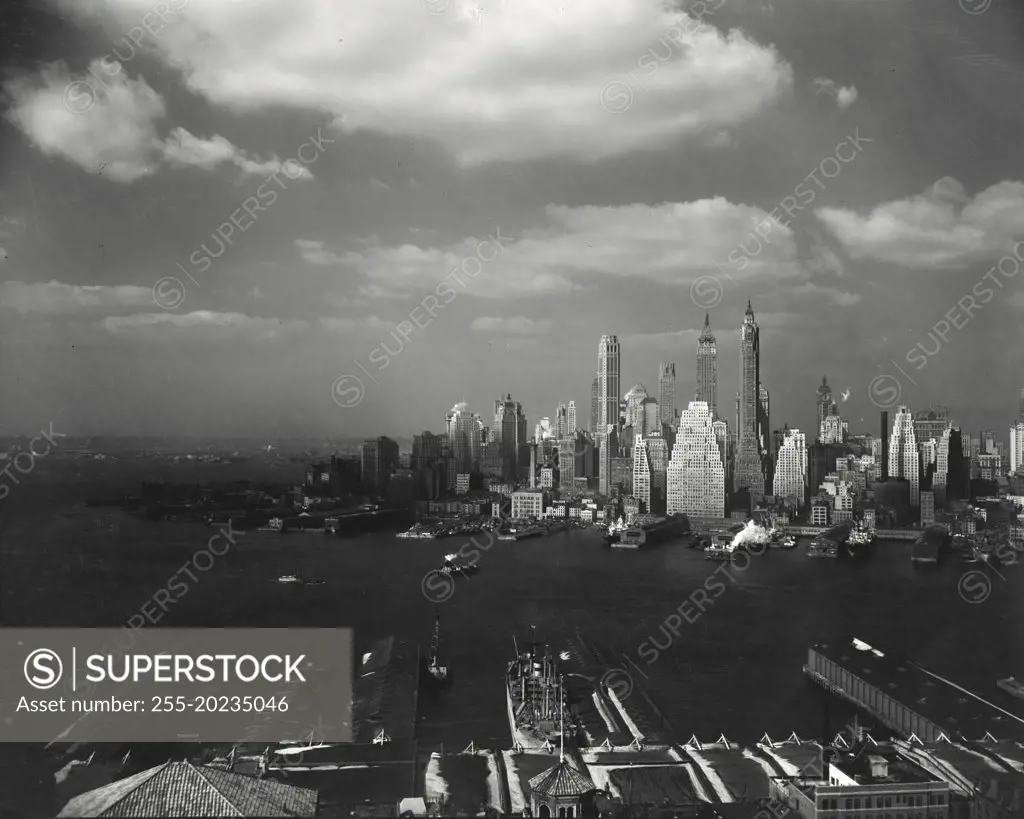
(707, 368)
(750, 471)
(904, 461)
(608, 370)
(667, 393)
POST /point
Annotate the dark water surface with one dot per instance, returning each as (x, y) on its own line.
(735, 670)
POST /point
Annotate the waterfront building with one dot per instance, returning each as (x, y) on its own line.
(509, 434)
(642, 474)
(903, 454)
(562, 790)
(875, 780)
(790, 480)
(566, 464)
(707, 368)
(819, 512)
(379, 458)
(608, 370)
(527, 503)
(1017, 447)
(842, 503)
(547, 478)
(595, 404)
(927, 507)
(695, 479)
(667, 392)
(825, 406)
(570, 419)
(622, 473)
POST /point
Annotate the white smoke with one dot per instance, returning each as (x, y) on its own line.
(751, 534)
(460, 407)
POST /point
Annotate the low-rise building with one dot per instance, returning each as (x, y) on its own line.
(527, 503)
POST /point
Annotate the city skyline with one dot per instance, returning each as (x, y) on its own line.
(849, 205)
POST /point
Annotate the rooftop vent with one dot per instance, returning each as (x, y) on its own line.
(879, 767)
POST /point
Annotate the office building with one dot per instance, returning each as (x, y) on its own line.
(642, 474)
(595, 404)
(791, 469)
(833, 430)
(379, 458)
(658, 456)
(750, 467)
(570, 419)
(651, 424)
(695, 479)
(903, 454)
(927, 507)
(931, 423)
(1017, 447)
(561, 424)
(635, 407)
(464, 431)
(988, 442)
(547, 478)
(707, 368)
(607, 448)
(566, 464)
(509, 436)
(608, 370)
(825, 406)
(667, 393)
(527, 503)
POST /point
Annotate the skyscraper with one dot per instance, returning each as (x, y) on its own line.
(696, 476)
(791, 467)
(635, 407)
(561, 421)
(903, 455)
(608, 364)
(658, 457)
(1017, 446)
(642, 474)
(464, 436)
(667, 392)
(509, 435)
(570, 419)
(566, 464)
(379, 458)
(825, 406)
(707, 368)
(750, 473)
(595, 404)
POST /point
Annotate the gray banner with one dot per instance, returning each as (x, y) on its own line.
(175, 685)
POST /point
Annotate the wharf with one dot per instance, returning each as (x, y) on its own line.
(907, 698)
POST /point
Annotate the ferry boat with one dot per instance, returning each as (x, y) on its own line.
(296, 580)
(717, 551)
(273, 525)
(538, 713)
(523, 533)
(1013, 686)
(438, 670)
(418, 531)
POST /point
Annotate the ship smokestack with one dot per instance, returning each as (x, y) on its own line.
(885, 446)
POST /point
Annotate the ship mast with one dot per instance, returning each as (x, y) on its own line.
(561, 732)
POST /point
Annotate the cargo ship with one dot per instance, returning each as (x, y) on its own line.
(538, 714)
(650, 530)
(614, 533)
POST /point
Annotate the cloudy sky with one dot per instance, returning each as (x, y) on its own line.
(319, 217)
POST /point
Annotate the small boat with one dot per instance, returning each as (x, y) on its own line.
(297, 581)
(453, 564)
(438, 670)
(788, 542)
(822, 548)
(718, 552)
(1013, 686)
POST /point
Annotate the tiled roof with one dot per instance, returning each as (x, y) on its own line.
(182, 789)
(561, 780)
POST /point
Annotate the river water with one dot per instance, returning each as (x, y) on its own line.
(735, 669)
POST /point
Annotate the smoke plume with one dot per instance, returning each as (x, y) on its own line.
(750, 535)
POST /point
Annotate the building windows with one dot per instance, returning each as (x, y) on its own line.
(856, 804)
(849, 804)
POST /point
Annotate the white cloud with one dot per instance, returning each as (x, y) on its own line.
(518, 326)
(347, 325)
(667, 341)
(201, 325)
(106, 123)
(377, 185)
(845, 96)
(57, 298)
(839, 297)
(670, 243)
(940, 228)
(518, 87)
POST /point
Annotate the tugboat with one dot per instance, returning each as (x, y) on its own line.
(295, 580)
(788, 542)
(614, 533)
(440, 673)
(858, 542)
(453, 564)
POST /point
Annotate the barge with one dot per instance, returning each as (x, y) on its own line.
(651, 530)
